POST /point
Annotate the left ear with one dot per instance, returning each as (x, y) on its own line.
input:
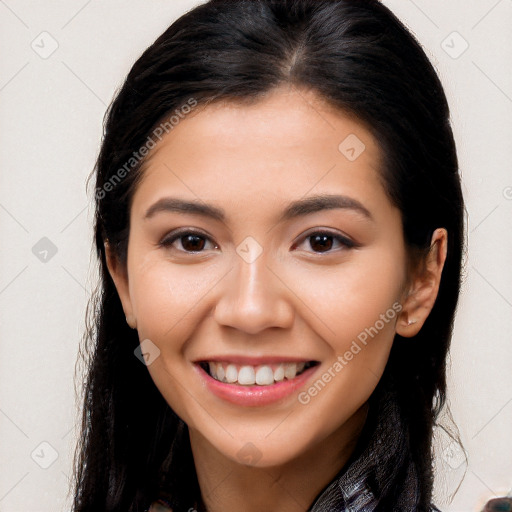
(424, 287)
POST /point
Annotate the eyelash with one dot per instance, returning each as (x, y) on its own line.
(344, 241)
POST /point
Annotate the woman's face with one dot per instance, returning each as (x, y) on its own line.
(257, 280)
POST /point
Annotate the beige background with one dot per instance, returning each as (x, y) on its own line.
(52, 106)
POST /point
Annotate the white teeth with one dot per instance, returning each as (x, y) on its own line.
(213, 369)
(246, 376)
(231, 373)
(290, 370)
(264, 376)
(220, 372)
(279, 373)
(249, 375)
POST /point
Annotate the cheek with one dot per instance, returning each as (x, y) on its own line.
(168, 298)
(357, 305)
(353, 298)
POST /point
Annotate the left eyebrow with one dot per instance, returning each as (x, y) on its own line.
(317, 203)
(295, 209)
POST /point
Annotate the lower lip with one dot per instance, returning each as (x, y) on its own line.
(254, 396)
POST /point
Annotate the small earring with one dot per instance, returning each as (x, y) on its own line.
(410, 322)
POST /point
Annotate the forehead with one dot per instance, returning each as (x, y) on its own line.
(286, 144)
(286, 118)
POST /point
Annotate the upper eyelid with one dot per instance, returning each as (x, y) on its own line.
(185, 231)
(329, 231)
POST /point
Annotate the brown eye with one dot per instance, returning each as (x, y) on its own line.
(190, 241)
(324, 241)
(321, 243)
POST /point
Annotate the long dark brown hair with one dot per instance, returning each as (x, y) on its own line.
(359, 57)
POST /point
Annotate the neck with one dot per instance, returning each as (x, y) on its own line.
(290, 487)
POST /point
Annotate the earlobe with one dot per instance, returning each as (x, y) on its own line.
(424, 288)
(119, 274)
(131, 321)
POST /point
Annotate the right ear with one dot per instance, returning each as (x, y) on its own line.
(119, 274)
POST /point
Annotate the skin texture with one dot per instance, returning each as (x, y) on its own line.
(293, 299)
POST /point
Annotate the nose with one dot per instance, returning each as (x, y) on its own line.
(254, 297)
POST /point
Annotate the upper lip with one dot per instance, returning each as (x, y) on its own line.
(253, 361)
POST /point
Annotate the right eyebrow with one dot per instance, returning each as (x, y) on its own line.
(174, 204)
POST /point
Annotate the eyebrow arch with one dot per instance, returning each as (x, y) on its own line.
(295, 209)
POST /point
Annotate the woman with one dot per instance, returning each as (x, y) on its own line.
(279, 224)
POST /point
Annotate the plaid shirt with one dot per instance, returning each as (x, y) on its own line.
(372, 471)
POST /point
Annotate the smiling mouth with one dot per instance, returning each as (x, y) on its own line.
(260, 375)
